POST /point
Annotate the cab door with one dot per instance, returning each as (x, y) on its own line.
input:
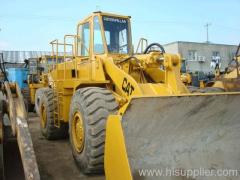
(98, 49)
(84, 51)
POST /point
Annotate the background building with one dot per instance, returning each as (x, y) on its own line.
(20, 56)
(198, 56)
(16, 58)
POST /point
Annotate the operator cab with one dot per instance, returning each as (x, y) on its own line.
(111, 35)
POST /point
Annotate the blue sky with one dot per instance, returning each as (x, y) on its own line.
(32, 24)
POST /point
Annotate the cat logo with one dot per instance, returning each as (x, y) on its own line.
(127, 87)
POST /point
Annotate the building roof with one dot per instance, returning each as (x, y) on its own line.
(203, 43)
(20, 56)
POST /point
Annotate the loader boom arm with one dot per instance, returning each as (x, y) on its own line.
(19, 126)
(166, 81)
(123, 81)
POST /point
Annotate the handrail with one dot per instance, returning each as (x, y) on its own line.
(74, 46)
(54, 42)
(140, 43)
(57, 44)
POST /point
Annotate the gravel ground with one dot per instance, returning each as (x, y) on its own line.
(54, 158)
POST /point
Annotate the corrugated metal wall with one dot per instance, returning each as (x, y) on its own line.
(20, 56)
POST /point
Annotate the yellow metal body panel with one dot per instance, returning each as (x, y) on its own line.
(202, 84)
(33, 88)
(186, 79)
(68, 76)
(116, 163)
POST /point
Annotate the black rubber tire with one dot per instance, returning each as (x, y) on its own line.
(27, 99)
(38, 98)
(50, 131)
(94, 104)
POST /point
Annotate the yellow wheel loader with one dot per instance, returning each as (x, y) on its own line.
(33, 81)
(37, 79)
(126, 113)
(230, 80)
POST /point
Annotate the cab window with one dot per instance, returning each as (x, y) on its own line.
(97, 41)
(84, 39)
(116, 34)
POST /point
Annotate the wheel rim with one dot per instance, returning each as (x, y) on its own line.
(43, 116)
(77, 132)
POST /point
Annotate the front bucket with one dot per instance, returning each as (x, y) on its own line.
(170, 137)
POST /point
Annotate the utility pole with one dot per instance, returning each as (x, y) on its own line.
(207, 26)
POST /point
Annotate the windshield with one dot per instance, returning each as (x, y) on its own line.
(116, 33)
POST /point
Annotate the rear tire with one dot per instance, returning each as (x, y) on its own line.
(49, 131)
(90, 107)
(38, 98)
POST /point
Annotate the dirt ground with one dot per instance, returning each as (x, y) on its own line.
(54, 158)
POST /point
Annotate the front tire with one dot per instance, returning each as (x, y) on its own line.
(89, 110)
